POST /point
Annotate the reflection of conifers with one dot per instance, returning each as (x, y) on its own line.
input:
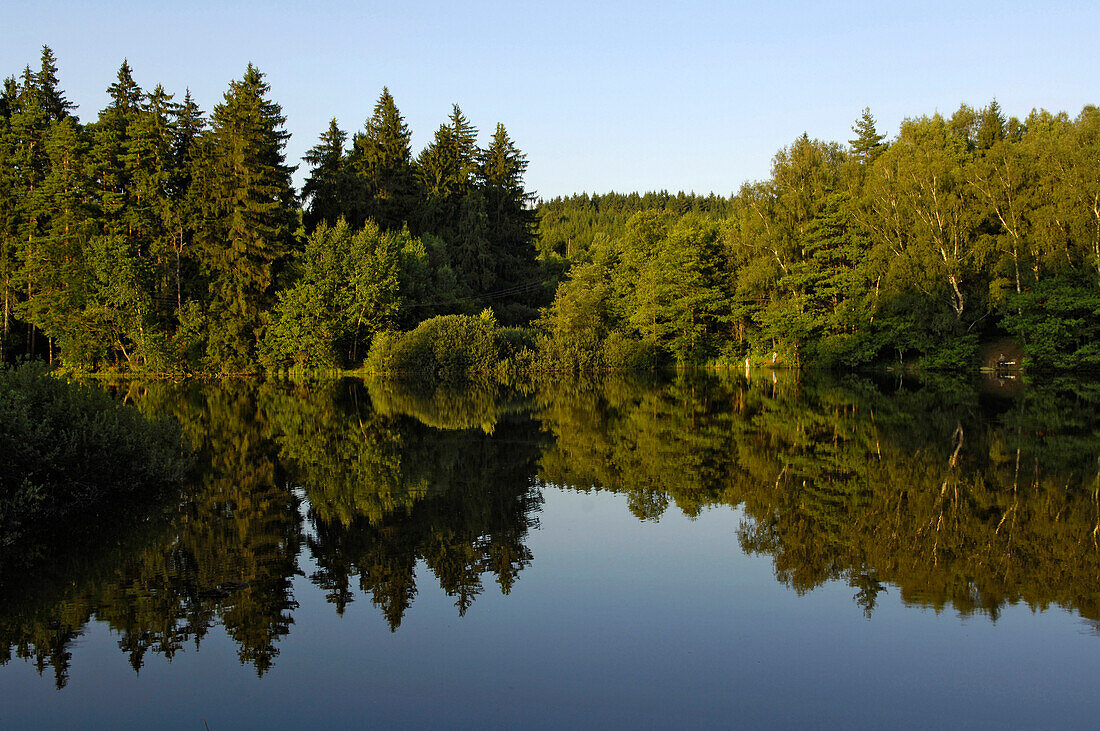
(952, 499)
(461, 500)
(225, 555)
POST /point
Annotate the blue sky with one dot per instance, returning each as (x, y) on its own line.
(600, 96)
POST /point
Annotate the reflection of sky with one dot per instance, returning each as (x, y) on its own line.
(615, 622)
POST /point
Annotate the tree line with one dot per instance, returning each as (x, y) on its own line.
(960, 230)
(161, 238)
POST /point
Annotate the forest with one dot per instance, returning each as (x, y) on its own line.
(161, 239)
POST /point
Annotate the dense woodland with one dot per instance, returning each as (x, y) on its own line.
(962, 229)
(159, 238)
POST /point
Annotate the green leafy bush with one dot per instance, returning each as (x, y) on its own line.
(449, 346)
(64, 446)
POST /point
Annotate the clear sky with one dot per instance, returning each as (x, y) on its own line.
(624, 96)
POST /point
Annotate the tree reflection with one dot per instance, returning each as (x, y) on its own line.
(954, 496)
(946, 492)
(387, 490)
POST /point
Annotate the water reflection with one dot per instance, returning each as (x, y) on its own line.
(950, 493)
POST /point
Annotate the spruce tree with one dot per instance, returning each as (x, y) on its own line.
(246, 215)
(30, 164)
(111, 134)
(53, 260)
(9, 237)
(148, 156)
(511, 220)
(453, 208)
(327, 189)
(186, 125)
(992, 126)
(381, 159)
(52, 99)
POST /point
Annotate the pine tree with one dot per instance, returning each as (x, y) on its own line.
(453, 208)
(111, 134)
(9, 187)
(51, 98)
(381, 159)
(511, 219)
(868, 143)
(992, 126)
(29, 164)
(247, 216)
(187, 124)
(53, 261)
(149, 159)
(327, 187)
(446, 168)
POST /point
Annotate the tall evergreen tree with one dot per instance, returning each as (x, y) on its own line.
(187, 126)
(53, 260)
(111, 134)
(453, 208)
(150, 160)
(9, 187)
(247, 216)
(992, 126)
(511, 219)
(51, 98)
(29, 164)
(326, 190)
(381, 159)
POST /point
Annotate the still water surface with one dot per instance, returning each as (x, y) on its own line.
(711, 550)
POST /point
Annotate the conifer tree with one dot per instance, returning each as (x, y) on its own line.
(8, 220)
(381, 159)
(187, 127)
(868, 143)
(446, 168)
(246, 215)
(52, 268)
(28, 128)
(326, 189)
(51, 98)
(991, 126)
(511, 220)
(111, 134)
(453, 208)
(148, 156)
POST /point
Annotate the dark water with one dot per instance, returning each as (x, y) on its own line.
(707, 551)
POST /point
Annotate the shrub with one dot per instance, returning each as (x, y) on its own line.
(448, 346)
(64, 446)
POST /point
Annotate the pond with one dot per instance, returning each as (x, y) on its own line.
(708, 550)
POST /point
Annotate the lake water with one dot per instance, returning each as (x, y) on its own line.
(711, 550)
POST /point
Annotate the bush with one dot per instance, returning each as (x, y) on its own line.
(65, 446)
(449, 346)
(625, 353)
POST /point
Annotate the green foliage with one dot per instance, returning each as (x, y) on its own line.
(246, 217)
(150, 241)
(329, 181)
(64, 447)
(385, 178)
(448, 346)
(868, 143)
(347, 289)
(1058, 321)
